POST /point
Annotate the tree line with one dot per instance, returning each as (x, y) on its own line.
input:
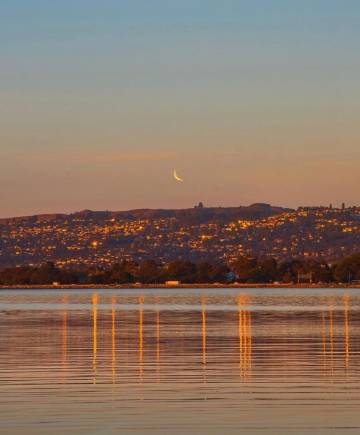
(244, 270)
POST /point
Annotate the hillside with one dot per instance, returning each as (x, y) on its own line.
(216, 233)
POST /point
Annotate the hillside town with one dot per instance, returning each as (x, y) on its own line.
(200, 234)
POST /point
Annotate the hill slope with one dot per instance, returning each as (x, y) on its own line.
(218, 233)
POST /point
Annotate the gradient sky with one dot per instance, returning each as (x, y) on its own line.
(251, 101)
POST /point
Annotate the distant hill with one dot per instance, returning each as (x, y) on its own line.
(97, 238)
(200, 214)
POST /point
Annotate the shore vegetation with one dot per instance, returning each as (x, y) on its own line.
(242, 271)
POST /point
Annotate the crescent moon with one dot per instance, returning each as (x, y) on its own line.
(177, 178)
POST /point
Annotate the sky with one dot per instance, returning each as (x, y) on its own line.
(250, 101)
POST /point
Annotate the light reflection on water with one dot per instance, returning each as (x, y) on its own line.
(217, 361)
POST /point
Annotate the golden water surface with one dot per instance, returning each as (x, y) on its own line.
(180, 362)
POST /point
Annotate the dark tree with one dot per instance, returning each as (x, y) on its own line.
(348, 269)
(183, 271)
(149, 272)
(245, 269)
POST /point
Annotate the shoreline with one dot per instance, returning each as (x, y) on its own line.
(179, 286)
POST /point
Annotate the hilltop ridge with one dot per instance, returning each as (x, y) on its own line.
(254, 211)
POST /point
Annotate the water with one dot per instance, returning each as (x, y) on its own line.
(180, 361)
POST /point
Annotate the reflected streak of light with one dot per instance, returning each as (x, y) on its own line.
(65, 331)
(331, 322)
(203, 332)
(141, 336)
(94, 302)
(113, 341)
(249, 337)
(245, 338)
(158, 344)
(204, 337)
(158, 336)
(346, 330)
(240, 337)
(323, 336)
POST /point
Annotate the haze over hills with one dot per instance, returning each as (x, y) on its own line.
(200, 233)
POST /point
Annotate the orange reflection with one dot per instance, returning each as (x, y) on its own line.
(94, 303)
(65, 338)
(327, 321)
(245, 337)
(346, 330)
(331, 338)
(141, 336)
(157, 339)
(204, 337)
(324, 338)
(113, 340)
(203, 331)
(65, 331)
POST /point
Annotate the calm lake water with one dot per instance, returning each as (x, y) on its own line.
(180, 362)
